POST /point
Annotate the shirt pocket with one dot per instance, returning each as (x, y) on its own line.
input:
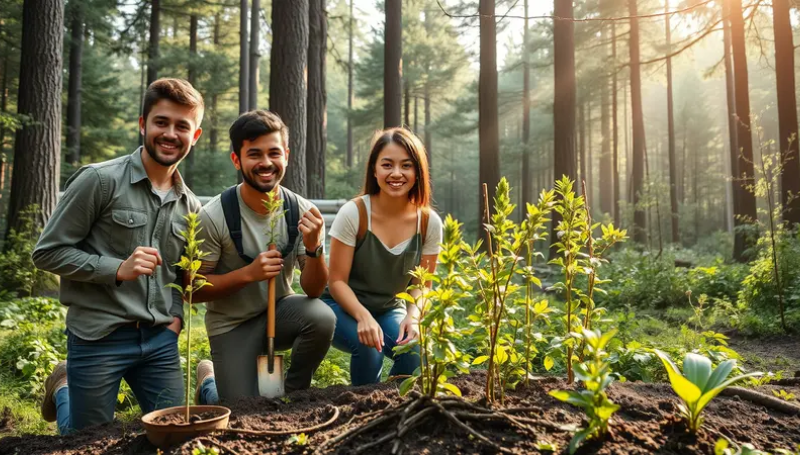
(129, 230)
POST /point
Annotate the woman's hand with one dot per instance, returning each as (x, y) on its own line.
(370, 332)
(409, 330)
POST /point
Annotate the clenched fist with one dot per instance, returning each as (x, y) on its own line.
(310, 226)
(266, 265)
(143, 261)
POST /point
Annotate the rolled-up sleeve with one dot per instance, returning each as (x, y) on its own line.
(71, 223)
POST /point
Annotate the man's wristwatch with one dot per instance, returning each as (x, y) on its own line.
(316, 252)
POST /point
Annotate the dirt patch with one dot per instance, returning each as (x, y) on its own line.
(773, 353)
(177, 418)
(646, 424)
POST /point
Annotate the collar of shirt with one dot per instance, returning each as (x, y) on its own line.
(138, 172)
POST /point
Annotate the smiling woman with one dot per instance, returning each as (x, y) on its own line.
(376, 240)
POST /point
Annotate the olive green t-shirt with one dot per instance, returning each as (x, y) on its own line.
(225, 314)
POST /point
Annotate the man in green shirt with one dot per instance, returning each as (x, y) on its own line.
(113, 239)
(237, 302)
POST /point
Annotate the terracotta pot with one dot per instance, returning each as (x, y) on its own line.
(161, 435)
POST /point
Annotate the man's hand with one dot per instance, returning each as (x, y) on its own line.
(175, 325)
(310, 226)
(143, 261)
(266, 265)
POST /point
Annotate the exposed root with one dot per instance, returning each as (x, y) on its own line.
(399, 420)
(285, 432)
(776, 404)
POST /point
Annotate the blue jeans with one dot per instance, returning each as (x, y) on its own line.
(146, 357)
(366, 362)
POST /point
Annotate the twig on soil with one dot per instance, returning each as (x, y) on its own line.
(466, 428)
(786, 381)
(285, 432)
(211, 441)
(764, 400)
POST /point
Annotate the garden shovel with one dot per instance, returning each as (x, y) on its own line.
(270, 366)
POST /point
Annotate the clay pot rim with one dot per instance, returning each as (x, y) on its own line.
(222, 413)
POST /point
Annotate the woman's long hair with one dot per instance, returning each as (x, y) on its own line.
(420, 194)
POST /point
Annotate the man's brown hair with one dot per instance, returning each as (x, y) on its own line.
(176, 90)
(420, 194)
(254, 124)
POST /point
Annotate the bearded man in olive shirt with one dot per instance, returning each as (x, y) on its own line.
(113, 238)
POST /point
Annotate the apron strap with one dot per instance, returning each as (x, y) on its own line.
(362, 219)
(423, 224)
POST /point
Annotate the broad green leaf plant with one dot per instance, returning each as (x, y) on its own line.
(505, 241)
(596, 376)
(438, 333)
(699, 383)
(190, 262)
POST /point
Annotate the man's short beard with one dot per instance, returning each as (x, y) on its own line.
(263, 188)
(150, 146)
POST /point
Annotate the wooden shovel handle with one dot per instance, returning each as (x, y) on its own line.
(271, 303)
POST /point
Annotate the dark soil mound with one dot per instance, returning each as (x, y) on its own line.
(647, 423)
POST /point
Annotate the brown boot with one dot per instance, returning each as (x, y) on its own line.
(205, 370)
(56, 380)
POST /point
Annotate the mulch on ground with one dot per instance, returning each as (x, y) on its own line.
(647, 423)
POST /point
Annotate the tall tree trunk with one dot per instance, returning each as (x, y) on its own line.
(428, 133)
(37, 156)
(733, 144)
(255, 55)
(287, 83)
(317, 99)
(673, 190)
(564, 99)
(213, 135)
(488, 130)
(615, 126)
(640, 233)
(416, 115)
(155, 35)
(606, 180)
(4, 101)
(393, 65)
(244, 58)
(747, 201)
(189, 171)
(588, 175)
(527, 190)
(74, 87)
(581, 145)
(349, 159)
(787, 110)
(407, 103)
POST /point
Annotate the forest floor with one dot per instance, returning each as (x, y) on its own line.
(647, 423)
(771, 353)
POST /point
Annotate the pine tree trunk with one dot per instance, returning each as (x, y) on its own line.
(255, 55)
(606, 179)
(488, 132)
(733, 144)
(189, 170)
(588, 175)
(673, 195)
(581, 146)
(407, 103)
(615, 127)
(37, 156)
(74, 85)
(213, 136)
(787, 110)
(393, 65)
(317, 99)
(155, 35)
(287, 83)
(4, 103)
(428, 134)
(416, 115)
(640, 232)
(349, 158)
(564, 100)
(527, 190)
(747, 202)
(244, 58)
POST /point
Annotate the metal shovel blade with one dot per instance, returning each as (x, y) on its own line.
(270, 385)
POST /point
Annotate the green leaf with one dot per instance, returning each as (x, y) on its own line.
(578, 439)
(685, 389)
(697, 369)
(451, 388)
(480, 359)
(406, 296)
(407, 385)
(720, 446)
(548, 363)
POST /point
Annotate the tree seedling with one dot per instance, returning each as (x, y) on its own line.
(699, 383)
(190, 262)
(596, 376)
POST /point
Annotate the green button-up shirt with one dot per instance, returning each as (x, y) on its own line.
(106, 212)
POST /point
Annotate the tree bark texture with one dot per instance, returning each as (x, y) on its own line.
(350, 93)
(747, 201)
(787, 110)
(406, 103)
(733, 143)
(255, 55)
(213, 134)
(606, 180)
(287, 84)
(393, 65)
(637, 118)
(188, 175)
(615, 126)
(488, 132)
(673, 195)
(317, 99)
(37, 156)
(155, 36)
(527, 189)
(74, 85)
(244, 57)
(428, 133)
